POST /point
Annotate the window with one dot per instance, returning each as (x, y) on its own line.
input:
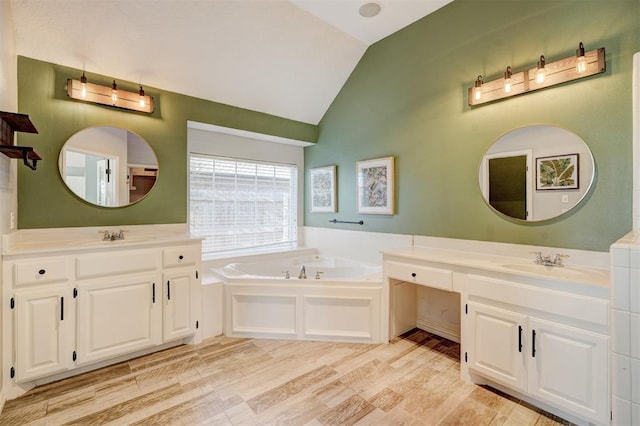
(241, 204)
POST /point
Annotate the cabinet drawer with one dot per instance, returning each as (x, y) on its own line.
(181, 256)
(42, 271)
(125, 262)
(423, 275)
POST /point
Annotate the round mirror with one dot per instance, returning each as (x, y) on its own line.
(536, 173)
(108, 166)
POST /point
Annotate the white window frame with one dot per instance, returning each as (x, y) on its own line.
(220, 141)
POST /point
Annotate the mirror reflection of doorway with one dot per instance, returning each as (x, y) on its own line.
(508, 185)
(91, 176)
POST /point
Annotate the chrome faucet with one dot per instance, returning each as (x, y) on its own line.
(303, 273)
(112, 236)
(547, 261)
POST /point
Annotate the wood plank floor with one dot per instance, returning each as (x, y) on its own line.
(225, 381)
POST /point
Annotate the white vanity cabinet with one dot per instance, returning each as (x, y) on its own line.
(554, 363)
(569, 368)
(117, 308)
(496, 349)
(118, 316)
(44, 331)
(179, 280)
(80, 307)
(545, 343)
(539, 333)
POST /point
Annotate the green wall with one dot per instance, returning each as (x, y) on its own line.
(43, 199)
(407, 98)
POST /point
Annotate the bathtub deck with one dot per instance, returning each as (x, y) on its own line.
(413, 380)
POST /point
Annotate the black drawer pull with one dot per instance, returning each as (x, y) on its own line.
(42, 272)
(533, 343)
(168, 290)
(519, 338)
(153, 293)
(181, 257)
(413, 274)
(62, 309)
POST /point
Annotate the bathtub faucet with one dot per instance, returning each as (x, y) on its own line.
(303, 273)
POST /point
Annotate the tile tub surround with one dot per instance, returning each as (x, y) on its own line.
(625, 329)
(413, 380)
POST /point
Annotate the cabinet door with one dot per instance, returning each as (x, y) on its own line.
(178, 306)
(45, 324)
(497, 349)
(118, 315)
(569, 368)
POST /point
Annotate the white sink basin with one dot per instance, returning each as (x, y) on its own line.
(562, 272)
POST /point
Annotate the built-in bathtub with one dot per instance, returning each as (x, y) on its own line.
(316, 267)
(342, 304)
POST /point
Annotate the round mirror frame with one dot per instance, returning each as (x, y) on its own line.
(103, 147)
(546, 150)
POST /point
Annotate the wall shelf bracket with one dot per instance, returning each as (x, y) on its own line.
(9, 124)
(29, 156)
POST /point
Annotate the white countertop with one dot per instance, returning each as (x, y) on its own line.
(504, 264)
(65, 240)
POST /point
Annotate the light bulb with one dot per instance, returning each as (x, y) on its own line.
(83, 84)
(114, 92)
(581, 61)
(507, 80)
(142, 102)
(540, 73)
(477, 89)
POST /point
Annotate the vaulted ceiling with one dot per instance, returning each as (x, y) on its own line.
(286, 58)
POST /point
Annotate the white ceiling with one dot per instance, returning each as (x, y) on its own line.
(286, 58)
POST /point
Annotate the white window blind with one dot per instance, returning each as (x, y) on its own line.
(241, 204)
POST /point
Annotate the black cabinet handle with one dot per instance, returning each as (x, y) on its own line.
(519, 338)
(533, 343)
(153, 293)
(62, 309)
(42, 272)
(181, 257)
(168, 290)
(413, 274)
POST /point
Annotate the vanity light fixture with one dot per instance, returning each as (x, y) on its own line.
(540, 72)
(507, 80)
(544, 74)
(109, 95)
(477, 89)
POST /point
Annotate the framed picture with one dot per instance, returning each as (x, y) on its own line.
(375, 186)
(322, 181)
(557, 172)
